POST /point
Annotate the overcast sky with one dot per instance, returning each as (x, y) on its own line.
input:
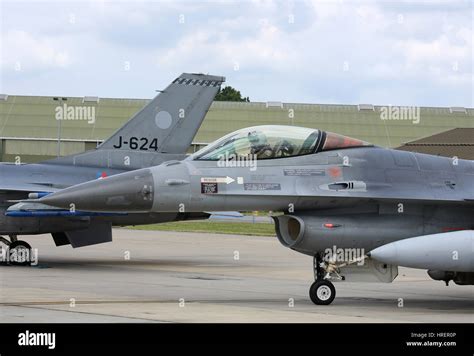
(348, 52)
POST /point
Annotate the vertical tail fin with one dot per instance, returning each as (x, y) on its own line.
(169, 122)
(161, 131)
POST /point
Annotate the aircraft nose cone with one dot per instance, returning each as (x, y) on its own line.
(131, 191)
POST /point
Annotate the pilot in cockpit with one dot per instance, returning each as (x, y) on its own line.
(259, 146)
(284, 149)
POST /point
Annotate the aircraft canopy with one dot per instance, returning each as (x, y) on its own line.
(274, 141)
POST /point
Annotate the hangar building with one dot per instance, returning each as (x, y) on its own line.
(29, 129)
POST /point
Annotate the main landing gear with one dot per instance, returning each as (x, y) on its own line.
(322, 291)
(17, 252)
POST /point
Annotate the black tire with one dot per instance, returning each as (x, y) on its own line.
(16, 246)
(322, 292)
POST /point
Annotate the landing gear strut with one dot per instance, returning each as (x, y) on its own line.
(322, 291)
(19, 252)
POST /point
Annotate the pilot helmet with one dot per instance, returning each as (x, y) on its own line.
(256, 137)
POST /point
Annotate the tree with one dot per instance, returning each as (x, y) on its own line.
(230, 94)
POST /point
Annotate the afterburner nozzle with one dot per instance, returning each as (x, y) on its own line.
(131, 191)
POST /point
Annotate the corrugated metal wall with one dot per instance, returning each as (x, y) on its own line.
(34, 117)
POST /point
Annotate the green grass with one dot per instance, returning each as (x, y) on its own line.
(257, 229)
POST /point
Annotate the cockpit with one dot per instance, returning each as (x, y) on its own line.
(274, 141)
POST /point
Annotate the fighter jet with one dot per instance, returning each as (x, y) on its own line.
(358, 209)
(161, 131)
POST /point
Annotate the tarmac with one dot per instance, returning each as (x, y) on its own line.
(161, 276)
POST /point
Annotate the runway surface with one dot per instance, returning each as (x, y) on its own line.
(155, 276)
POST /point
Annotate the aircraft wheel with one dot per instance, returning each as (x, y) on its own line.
(322, 292)
(20, 253)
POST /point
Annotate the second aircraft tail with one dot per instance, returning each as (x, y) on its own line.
(169, 122)
(162, 130)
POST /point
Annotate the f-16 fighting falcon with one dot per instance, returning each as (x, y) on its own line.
(161, 131)
(359, 210)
